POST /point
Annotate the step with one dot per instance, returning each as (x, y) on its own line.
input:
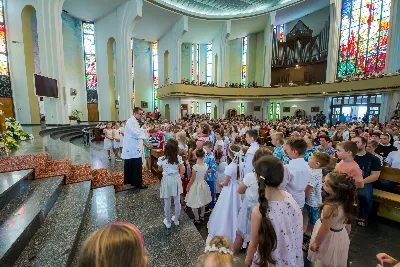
(65, 137)
(13, 184)
(66, 127)
(102, 211)
(55, 243)
(59, 134)
(68, 136)
(20, 226)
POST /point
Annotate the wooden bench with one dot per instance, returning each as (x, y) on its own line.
(390, 199)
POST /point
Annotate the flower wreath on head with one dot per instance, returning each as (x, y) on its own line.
(213, 248)
(237, 156)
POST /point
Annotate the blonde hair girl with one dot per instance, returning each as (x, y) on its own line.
(218, 253)
(115, 245)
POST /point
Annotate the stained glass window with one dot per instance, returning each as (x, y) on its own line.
(90, 61)
(5, 83)
(244, 60)
(208, 108)
(197, 108)
(241, 108)
(280, 31)
(192, 107)
(192, 63)
(363, 36)
(277, 110)
(197, 62)
(154, 49)
(209, 62)
(271, 111)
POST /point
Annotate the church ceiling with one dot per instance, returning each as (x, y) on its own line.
(223, 8)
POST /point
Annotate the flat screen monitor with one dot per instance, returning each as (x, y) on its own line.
(46, 86)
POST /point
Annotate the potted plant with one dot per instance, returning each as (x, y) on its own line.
(77, 114)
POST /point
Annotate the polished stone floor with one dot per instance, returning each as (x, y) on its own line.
(181, 245)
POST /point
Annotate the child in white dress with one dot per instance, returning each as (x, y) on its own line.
(199, 194)
(219, 144)
(219, 175)
(117, 141)
(108, 140)
(223, 219)
(248, 187)
(171, 184)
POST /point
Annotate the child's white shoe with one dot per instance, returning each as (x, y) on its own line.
(175, 222)
(167, 224)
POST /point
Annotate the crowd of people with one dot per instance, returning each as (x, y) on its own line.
(256, 192)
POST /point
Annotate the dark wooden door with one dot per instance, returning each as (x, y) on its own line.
(93, 112)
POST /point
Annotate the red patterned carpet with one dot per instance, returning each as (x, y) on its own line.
(44, 167)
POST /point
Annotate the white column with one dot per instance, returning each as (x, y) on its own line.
(127, 15)
(221, 109)
(268, 34)
(334, 36)
(327, 107)
(393, 49)
(172, 42)
(220, 46)
(265, 107)
(119, 25)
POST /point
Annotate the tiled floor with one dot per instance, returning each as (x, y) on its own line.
(180, 246)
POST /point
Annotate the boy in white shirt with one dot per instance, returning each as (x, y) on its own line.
(247, 166)
(297, 171)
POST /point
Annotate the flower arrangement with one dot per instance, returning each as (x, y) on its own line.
(77, 114)
(14, 133)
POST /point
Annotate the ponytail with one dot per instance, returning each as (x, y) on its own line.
(267, 235)
(270, 170)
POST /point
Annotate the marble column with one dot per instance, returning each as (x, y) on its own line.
(393, 49)
(268, 34)
(327, 107)
(334, 39)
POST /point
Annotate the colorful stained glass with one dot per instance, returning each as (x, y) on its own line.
(89, 44)
(279, 31)
(277, 110)
(3, 65)
(1, 12)
(209, 62)
(154, 49)
(241, 108)
(90, 64)
(192, 62)
(3, 44)
(91, 82)
(88, 28)
(363, 36)
(197, 62)
(244, 60)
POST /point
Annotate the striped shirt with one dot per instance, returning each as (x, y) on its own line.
(351, 168)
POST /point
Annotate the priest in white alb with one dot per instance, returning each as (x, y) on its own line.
(132, 149)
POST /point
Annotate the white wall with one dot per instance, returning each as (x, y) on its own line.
(315, 21)
(119, 24)
(171, 42)
(248, 108)
(202, 104)
(301, 104)
(143, 73)
(74, 65)
(51, 57)
(203, 63)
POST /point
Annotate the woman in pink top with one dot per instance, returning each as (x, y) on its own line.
(276, 222)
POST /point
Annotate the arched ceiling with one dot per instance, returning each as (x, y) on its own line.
(223, 9)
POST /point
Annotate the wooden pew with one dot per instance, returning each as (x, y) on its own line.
(390, 199)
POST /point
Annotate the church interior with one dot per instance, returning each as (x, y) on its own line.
(69, 67)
